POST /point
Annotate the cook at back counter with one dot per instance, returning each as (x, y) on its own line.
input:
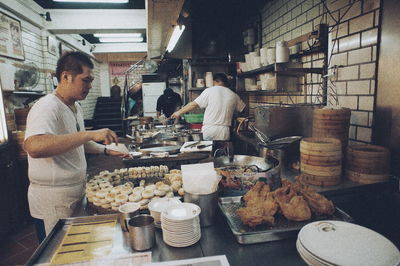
(56, 142)
(220, 103)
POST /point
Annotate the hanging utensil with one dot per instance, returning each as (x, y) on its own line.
(202, 146)
(192, 145)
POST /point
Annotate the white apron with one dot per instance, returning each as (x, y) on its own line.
(214, 132)
(52, 203)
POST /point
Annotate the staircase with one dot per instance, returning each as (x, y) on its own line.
(107, 114)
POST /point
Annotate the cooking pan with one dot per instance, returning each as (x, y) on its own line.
(165, 146)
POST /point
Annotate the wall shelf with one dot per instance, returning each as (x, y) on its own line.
(269, 92)
(290, 69)
(30, 95)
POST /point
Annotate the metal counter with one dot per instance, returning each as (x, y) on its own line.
(215, 240)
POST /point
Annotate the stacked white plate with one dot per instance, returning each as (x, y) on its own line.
(341, 243)
(181, 224)
(157, 205)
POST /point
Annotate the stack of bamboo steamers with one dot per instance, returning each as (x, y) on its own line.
(323, 156)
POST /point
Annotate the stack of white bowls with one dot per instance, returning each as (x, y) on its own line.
(157, 205)
(342, 243)
(181, 225)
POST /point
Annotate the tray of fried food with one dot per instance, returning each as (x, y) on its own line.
(262, 215)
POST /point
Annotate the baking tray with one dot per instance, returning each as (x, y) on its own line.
(48, 247)
(282, 229)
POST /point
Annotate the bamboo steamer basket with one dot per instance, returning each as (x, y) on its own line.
(367, 163)
(321, 161)
(332, 123)
(19, 137)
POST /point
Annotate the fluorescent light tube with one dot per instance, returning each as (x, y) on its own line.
(176, 34)
(94, 1)
(117, 35)
(131, 39)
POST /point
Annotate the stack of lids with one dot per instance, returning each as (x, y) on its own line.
(342, 243)
(180, 225)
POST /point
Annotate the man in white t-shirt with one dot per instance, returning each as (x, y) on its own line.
(56, 142)
(220, 104)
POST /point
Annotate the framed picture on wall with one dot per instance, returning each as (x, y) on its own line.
(11, 37)
(52, 45)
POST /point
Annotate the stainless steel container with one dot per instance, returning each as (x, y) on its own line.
(197, 136)
(141, 232)
(126, 212)
(208, 204)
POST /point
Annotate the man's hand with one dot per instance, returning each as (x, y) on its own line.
(176, 115)
(104, 135)
(117, 153)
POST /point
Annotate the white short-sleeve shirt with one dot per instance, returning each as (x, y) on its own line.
(51, 116)
(220, 104)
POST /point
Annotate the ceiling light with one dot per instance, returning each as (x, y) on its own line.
(131, 39)
(176, 34)
(117, 35)
(94, 1)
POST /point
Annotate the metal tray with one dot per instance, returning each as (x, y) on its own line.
(282, 229)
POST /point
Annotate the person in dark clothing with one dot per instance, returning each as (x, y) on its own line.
(168, 103)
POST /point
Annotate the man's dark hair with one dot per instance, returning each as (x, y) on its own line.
(221, 77)
(72, 62)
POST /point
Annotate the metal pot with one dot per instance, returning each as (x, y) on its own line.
(268, 167)
(197, 136)
(183, 138)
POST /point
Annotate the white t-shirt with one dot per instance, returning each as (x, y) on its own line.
(220, 104)
(51, 116)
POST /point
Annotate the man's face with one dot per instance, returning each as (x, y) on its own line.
(81, 84)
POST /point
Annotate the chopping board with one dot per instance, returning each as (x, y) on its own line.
(194, 148)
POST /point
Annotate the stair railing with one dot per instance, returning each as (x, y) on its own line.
(125, 97)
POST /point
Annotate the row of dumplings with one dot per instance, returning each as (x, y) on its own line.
(136, 172)
(112, 197)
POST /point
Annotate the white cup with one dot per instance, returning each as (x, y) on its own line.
(271, 55)
(282, 52)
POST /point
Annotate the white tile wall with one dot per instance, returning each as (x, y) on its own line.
(35, 50)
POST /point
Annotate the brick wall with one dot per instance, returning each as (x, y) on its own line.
(353, 27)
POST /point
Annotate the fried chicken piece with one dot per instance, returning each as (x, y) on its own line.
(253, 192)
(296, 209)
(317, 202)
(260, 206)
(253, 216)
(293, 207)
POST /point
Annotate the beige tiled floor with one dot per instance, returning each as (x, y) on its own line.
(17, 249)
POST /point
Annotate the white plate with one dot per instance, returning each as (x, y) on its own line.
(182, 244)
(181, 212)
(343, 243)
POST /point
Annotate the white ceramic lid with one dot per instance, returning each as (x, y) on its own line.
(160, 204)
(343, 243)
(183, 211)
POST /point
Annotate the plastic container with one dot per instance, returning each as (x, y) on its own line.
(194, 118)
(195, 125)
